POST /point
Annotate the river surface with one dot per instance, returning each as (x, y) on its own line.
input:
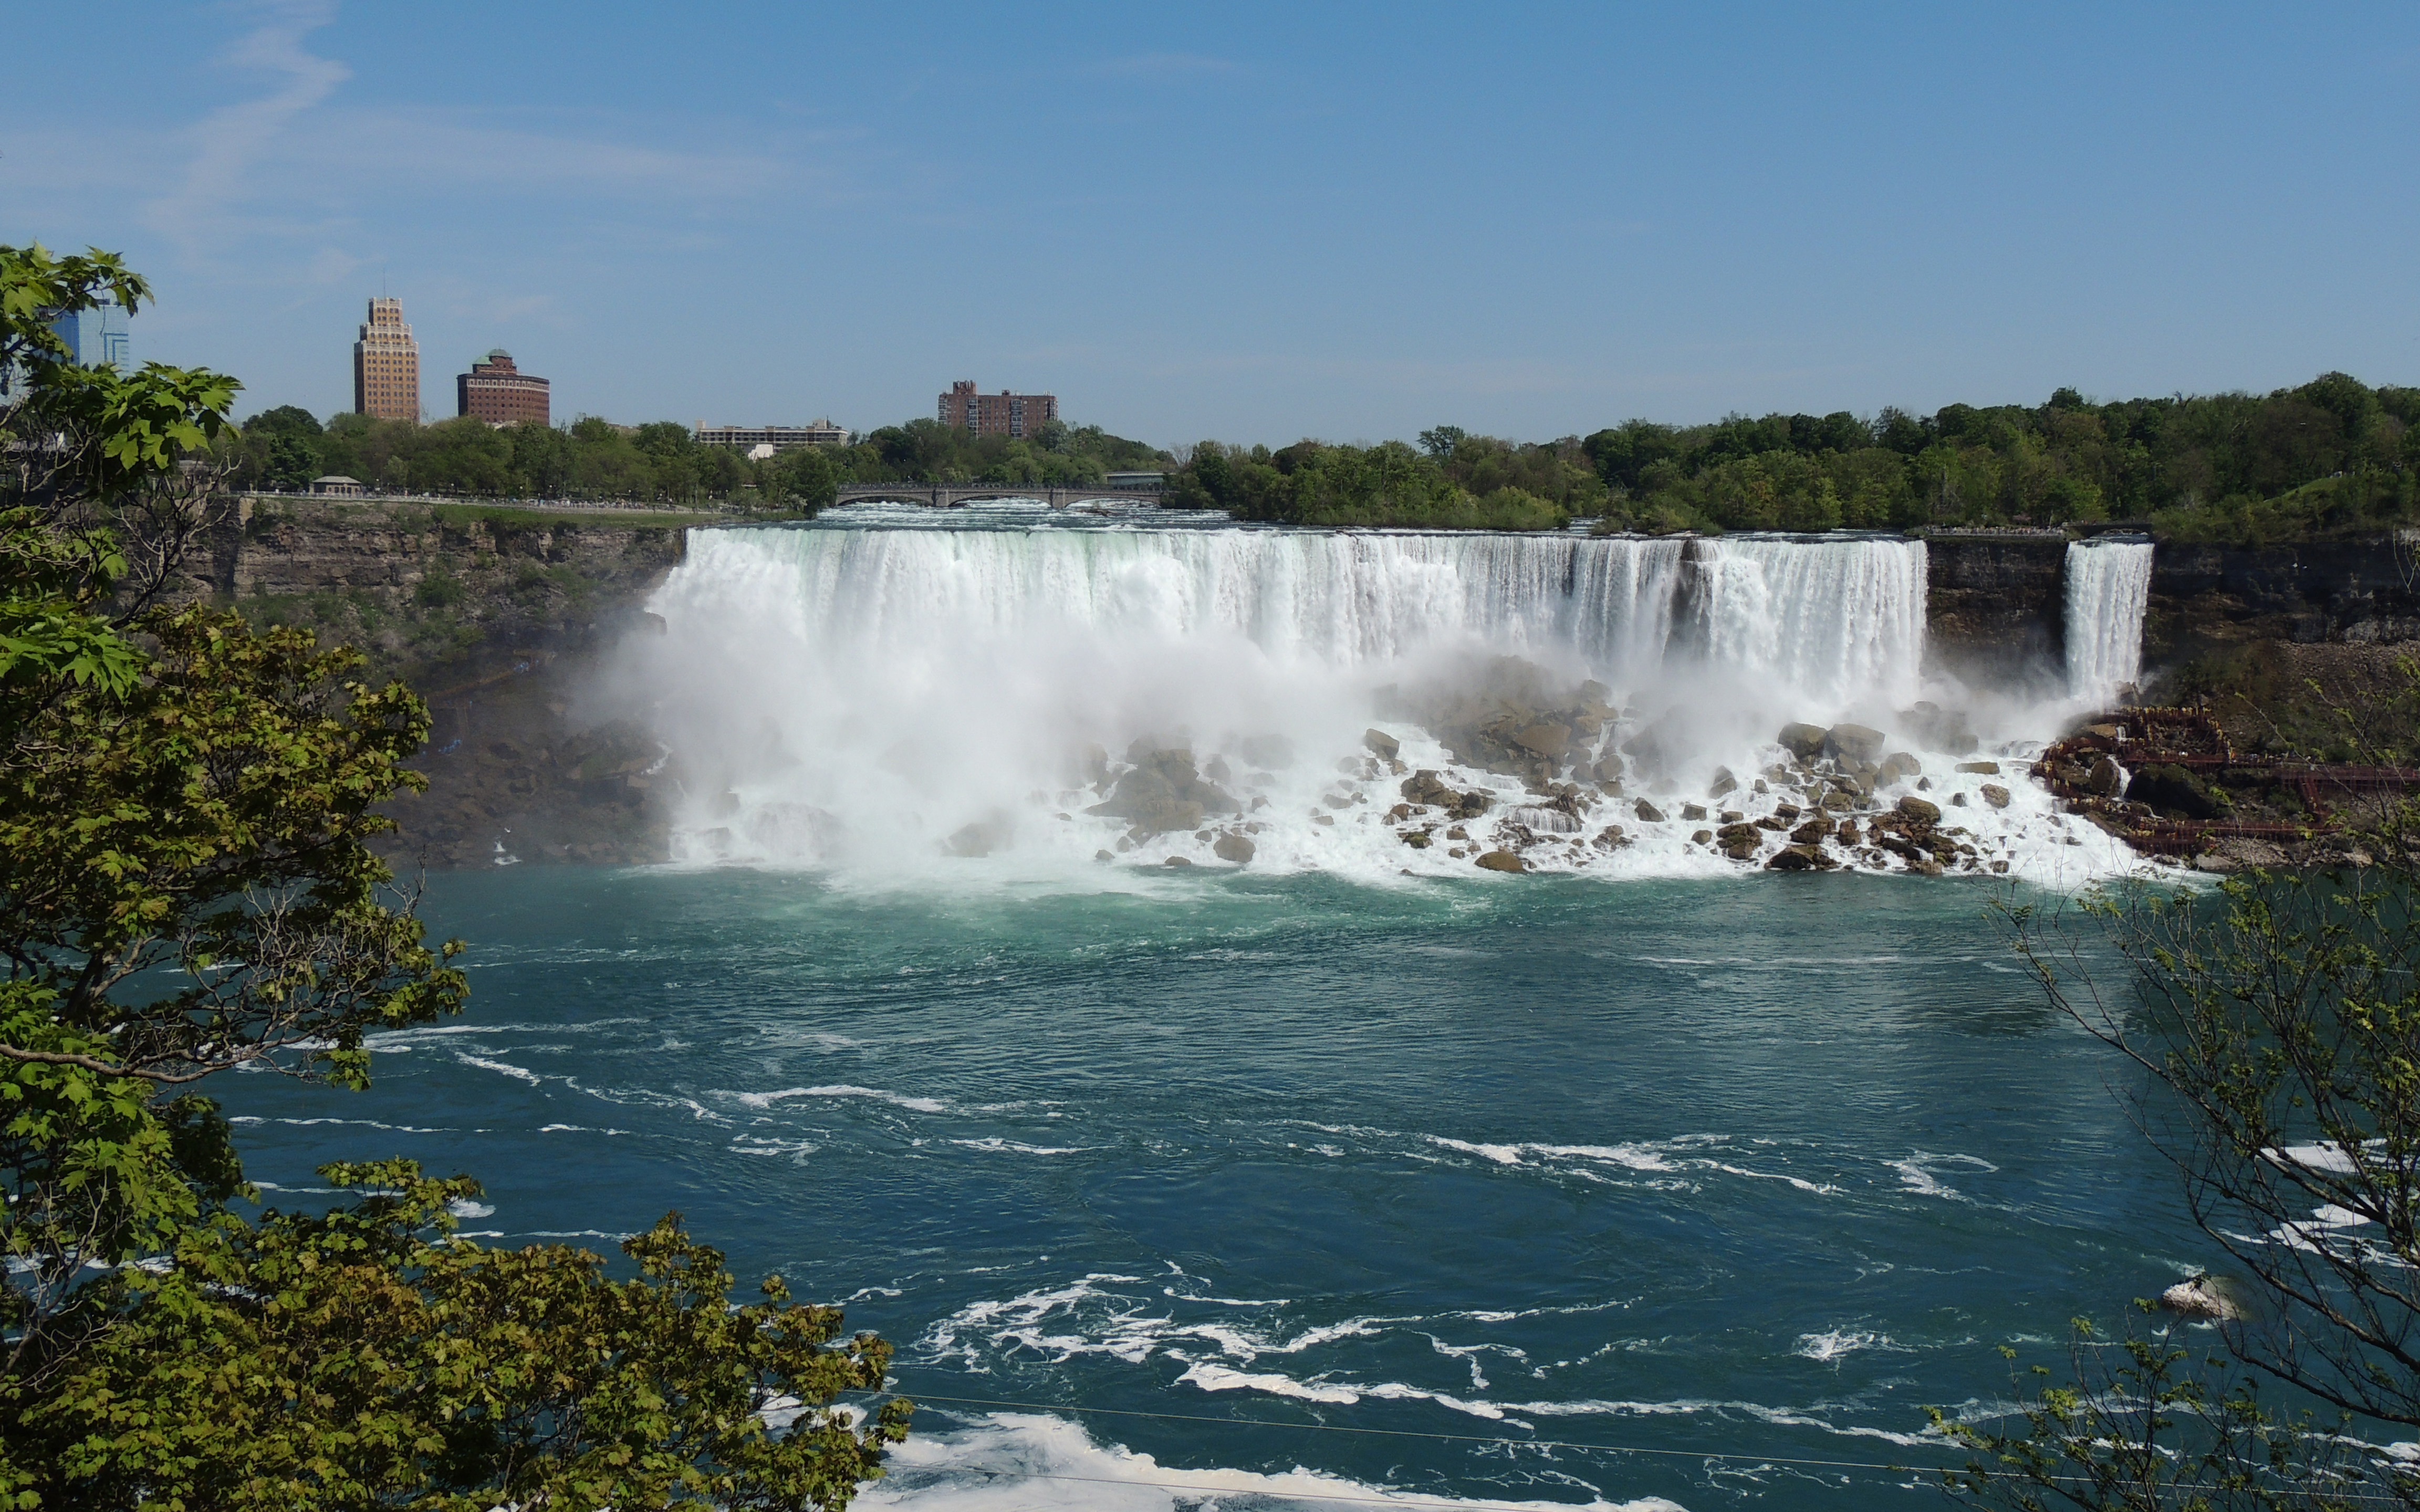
(1259, 1191)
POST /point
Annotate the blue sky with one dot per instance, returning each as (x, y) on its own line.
(1251, 223)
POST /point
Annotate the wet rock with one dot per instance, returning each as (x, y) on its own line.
(1898, 764)
(1723, 783)
(2105, 779)
(2218, 863)
(1813, 832)
(1741, 834)
(1981, 768)
(1801, 858)
(1425, 787)
(1417, 839)
(1610, 839)
(1457, 832)
(1162, 793)
(1857, 743)
(1237, 849)
(1693, 811)
(1919, 811)
(1103, 856)
(1381, 744)
(1701, 837)
(1839, 800)
(1994, 794)
(1957, 800)
(1804, 741)
(1176, 860)
(978, 840)
(1216, 770)
(1552, 741)
(2202, 1296)
(1648, 811)
(1503, 861)
(2173, 791)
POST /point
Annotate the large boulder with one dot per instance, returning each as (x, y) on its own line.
(1804, 741)
(1234, 848)
(1162, 793)
(1899, 763)
(1919, 811)
(1723, 783)
(978, 840)
(1381, 744)
(1648, 811)
(1801, 858)
(1981, 768)
(1855, 744)
(1812, 832)
(1503, 861)
(1552, 741)
(2106, 777)
(1994, 794)
(2174, 791)
(1425, 786)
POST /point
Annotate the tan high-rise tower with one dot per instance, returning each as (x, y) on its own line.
(386, 365)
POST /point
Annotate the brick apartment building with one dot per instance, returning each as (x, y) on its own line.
(500, 393)
(386, 365)
(997, 414)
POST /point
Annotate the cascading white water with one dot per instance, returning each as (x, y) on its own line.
(856, 697)
(2108, 587)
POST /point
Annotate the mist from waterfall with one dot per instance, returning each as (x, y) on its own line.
(2108, 588)
(869, 697)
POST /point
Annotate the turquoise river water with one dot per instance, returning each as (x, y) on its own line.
(1259, 1191)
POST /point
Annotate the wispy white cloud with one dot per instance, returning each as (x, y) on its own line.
(225, 144)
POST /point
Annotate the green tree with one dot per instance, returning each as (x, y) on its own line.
(2275, 1029)
(186, 887)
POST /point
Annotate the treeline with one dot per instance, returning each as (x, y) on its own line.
(2333, 456)
(283, 450)
(1456, 481)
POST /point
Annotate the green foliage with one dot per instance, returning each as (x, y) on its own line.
(186, 887)
(2275, 1026)
(2330, 457)
(1479, 484)
(366, 1358)
(2147, 1424)
(284, 449)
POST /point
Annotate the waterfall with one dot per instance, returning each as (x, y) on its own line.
(873, 697)
(2108, 585)
(1832, 621)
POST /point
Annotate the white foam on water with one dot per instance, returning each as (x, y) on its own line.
(1834, 1344)
(1034, 1462)
(897, 1100)
(501, 1066)
(868, 701)
(996, 1143)
(465, 1208)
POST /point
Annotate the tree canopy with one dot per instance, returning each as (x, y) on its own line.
(186, 887)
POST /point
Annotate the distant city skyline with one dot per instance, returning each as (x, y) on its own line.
(1253, 223)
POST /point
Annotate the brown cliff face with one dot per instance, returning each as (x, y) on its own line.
(2211, 597)
(501, 621)
(1996, 610)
